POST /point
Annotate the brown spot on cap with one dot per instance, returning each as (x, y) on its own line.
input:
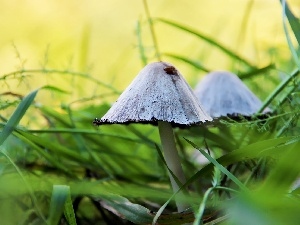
(171, 70)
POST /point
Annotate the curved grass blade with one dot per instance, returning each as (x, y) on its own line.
(41, 151)
(69, 211)
(9, 128)
(54, 147)
(287, 35)
(286, 171)
(293, 20)
(153, 35)
(121, 206)
(57, 204)
(252, 151)
(200, 212)
(220, 167)
(140, 44)
(28, 187)
(160, 211)
(56, 89)
(175, 194)
(255, 72)
(279, 88)
(16, 74)
(86, 132)
(207, 39)
(248, 152)
(193, 63)
(17, 116)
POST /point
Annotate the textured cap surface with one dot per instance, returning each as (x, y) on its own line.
(159, 92)
(223, 94)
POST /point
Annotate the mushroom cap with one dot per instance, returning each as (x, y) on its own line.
(223, 94)
(158, 93)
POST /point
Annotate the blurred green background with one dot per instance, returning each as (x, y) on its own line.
(56, 164)
(99, 38)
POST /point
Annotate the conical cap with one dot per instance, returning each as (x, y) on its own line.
(223, 94)
(159, 92)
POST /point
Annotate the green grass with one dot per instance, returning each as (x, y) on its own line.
(57, 168)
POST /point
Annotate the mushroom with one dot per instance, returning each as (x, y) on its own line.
(223, 94)
(159, 95)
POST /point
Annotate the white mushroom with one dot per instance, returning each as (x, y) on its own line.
(159, 95)
(223, 94)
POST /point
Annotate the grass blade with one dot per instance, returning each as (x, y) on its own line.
(135, 213)
(17, 116)
(140, 44)
(288, 38)
(150, 21)
(207, 39)
(259, 149)
(69, 211)
(57, 204)
(20, 73)
(193, 63)
(55, 89)
(294, 21)
(200, 212)
(279, 88)
(28, 187)
(255, 72)
(220, 167)
(286, 171)
(48, 156)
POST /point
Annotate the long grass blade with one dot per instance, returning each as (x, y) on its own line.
(153, 35)
(191, 62)
(255, 72)
(293, 20)
(28, 187)
(17, 116)
(278, 89)
(207, 39)
(200, 211)
(68, 210)
(140, 43)
(287, 35)
(220, 167)
(255, 150)
(135, 213)
(57, 205)
(20, 73)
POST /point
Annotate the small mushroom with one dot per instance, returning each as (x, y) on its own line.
(223, 94)
(159, 95)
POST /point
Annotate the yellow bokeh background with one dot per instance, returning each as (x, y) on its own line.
(99, 38)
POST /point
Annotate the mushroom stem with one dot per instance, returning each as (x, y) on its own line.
(172, 158)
